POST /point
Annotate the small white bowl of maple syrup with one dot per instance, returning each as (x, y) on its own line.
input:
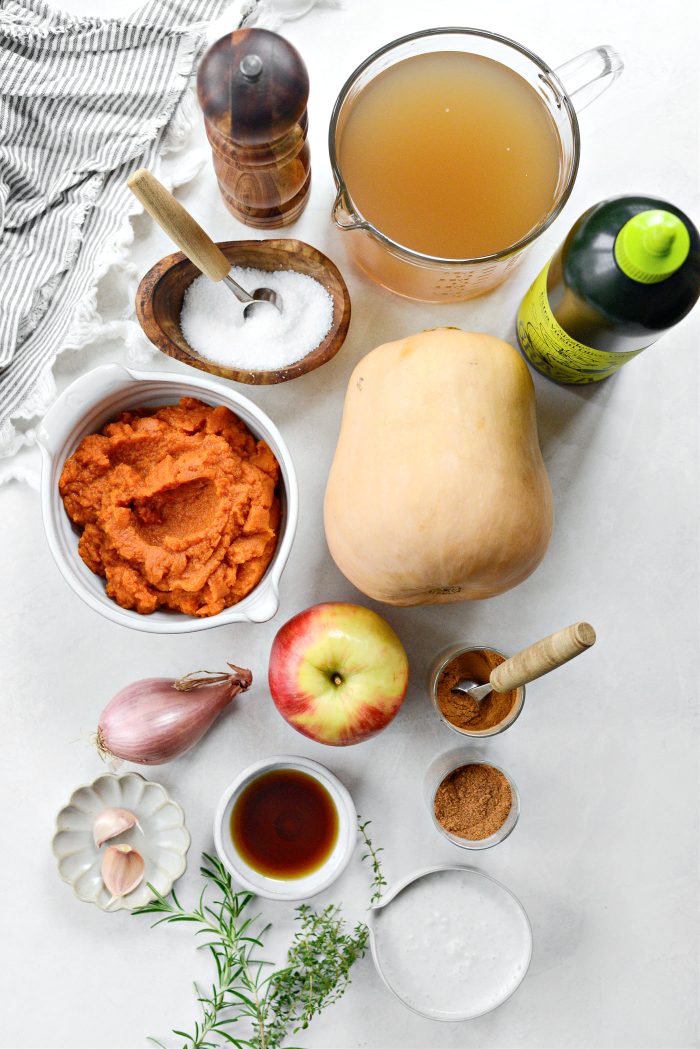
(285, 828)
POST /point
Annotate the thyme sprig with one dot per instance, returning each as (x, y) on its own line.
(270, 1005)
(372, 854)
(317, 973)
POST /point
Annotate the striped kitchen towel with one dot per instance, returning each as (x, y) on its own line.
(83, 102)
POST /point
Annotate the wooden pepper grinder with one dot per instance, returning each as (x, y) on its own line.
(253, 88)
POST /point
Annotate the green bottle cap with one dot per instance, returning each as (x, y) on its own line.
(651, 246)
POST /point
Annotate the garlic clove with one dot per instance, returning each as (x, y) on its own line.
(122, 870)
(112, 822)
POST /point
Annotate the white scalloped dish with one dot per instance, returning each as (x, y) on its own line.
(163, 843)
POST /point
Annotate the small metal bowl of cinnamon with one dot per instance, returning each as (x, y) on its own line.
(460, 712)
(473, 803)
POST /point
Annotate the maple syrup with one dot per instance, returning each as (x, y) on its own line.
(284, 824)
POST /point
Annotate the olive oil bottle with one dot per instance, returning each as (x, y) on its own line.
(627, 272)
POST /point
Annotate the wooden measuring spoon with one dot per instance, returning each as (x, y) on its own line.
(191, 239)
(533, 662)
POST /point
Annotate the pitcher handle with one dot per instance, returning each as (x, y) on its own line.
(589, 74)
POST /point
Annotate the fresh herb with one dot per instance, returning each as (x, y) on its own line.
(372, 854)
(317, 973)
(274, 1004)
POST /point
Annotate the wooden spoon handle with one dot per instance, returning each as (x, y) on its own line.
(545, 655)
(174, 220)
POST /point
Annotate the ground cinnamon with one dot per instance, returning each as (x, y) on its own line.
(462, 711)
(473, 801)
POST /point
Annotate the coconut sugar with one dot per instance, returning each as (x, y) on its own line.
(473, 801)
(267, 340)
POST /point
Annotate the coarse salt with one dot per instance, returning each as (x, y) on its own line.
(267, 340)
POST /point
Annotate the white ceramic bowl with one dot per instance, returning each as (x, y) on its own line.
(416, 951)
(163, 843)
(83, 408)
(288, 888)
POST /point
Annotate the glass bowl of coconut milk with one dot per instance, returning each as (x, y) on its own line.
(451, 942)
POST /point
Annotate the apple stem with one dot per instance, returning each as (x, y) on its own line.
(337, 679)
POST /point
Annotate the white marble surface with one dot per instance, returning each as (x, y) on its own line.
(606, 752)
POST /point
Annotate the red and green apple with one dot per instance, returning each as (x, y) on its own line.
(338, 673)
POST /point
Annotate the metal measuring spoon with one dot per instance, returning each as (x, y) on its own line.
(197, 245)
(252, 301)
(532, 662)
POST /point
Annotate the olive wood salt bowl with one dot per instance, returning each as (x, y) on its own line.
(159, 303)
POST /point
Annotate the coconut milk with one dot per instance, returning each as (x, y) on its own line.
(453, 944)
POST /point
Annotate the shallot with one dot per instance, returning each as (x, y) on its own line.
(157, 719)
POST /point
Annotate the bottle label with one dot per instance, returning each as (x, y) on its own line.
(554, 353)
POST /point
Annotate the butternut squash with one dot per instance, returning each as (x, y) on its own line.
(438, 491)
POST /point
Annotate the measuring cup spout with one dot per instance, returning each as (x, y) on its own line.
(589, 74)
(343, 214)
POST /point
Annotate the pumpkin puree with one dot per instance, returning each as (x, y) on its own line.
(178, 507)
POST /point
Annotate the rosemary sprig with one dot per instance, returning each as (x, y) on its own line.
(231, 941)
(270, 1004)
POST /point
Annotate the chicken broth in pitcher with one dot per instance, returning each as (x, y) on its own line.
(451, 154)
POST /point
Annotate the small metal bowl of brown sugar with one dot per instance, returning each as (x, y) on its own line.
(473, 803)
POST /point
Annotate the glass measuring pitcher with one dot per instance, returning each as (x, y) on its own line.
(432, 278)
